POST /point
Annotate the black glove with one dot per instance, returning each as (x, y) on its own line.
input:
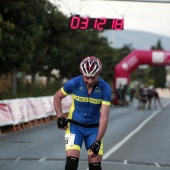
(95, 147)
(62, 122)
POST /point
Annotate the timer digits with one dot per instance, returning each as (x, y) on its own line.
(83, 23)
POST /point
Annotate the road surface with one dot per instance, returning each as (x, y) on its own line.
(135, 140)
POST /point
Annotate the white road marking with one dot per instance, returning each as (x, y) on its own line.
(118, 145)
(18, 159)
(42, 159)
(157, 165)
(125, 162)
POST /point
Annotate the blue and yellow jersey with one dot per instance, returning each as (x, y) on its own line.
(86, 108)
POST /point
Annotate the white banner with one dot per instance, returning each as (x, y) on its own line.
(17, 111)
(5, 115)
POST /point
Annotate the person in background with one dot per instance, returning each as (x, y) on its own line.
(132, 93)
(118, 94)
(153, 95)
(157, 99)
(124, 92)
(88, 116)
(143, 96)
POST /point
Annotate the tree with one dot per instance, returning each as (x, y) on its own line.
(47, 53)
(17, 45)
(158, 73)
(35, 40)
(6, 28)
(35, 37)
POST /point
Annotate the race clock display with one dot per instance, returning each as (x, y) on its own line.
(83, 23)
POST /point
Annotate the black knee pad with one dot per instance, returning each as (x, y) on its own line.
(71, 163)
(95, 166)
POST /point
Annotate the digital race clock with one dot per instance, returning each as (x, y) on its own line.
(83, 23)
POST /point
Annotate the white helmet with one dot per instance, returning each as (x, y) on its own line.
(90, 66)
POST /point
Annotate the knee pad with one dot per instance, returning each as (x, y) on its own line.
(95, 166)
(71, 163)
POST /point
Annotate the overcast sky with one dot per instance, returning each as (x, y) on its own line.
(143, 16)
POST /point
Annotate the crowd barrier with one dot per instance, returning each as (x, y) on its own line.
(17, 112)
(163, 92)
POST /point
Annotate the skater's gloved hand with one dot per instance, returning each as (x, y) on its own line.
(62, 122)
(94, 148)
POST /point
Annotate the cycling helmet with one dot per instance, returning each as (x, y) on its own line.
(90, 66)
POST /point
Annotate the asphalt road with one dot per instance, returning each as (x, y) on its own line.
(135, 140)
